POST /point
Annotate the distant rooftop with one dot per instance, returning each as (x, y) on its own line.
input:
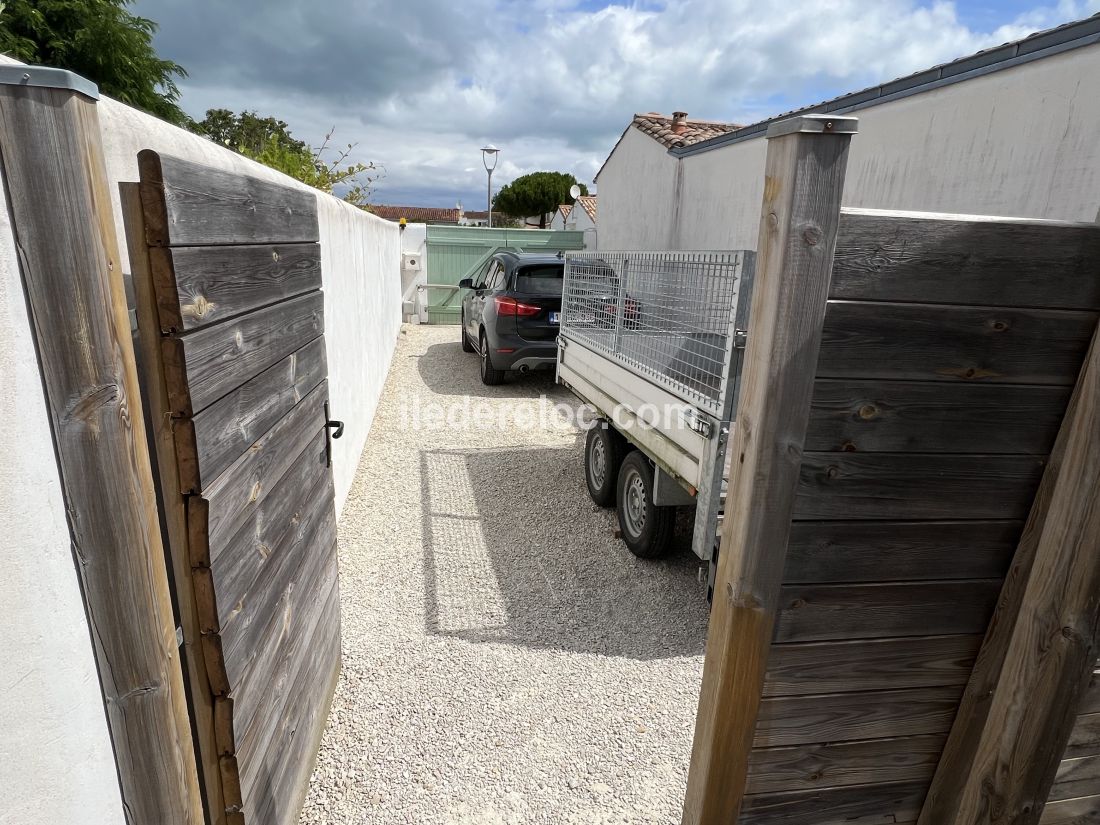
(417, 214)
(588, 203)
(678, 129)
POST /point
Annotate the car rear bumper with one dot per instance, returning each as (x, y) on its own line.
(525, 355)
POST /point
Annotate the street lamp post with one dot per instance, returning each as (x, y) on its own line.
(489, 158)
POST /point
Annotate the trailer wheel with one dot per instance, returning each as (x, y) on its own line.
(604, 449)
(646, 528)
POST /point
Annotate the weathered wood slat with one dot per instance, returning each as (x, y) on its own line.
(59, 203)
(916, 486)
(832, 764)
(311, 526)
(1090, 701)
(201, 285)
(301, 726)
(1082, 811)
(870, 340)
(806, 160)
(1076, 778)
(1041, 648)
(878, 664)
(1084, 737)
(205, 365)
(215, 438)
(231, 497)
(245, 579)
(299, 642)
(870, 551)
(934, 417)
(300, 584)
(817, 612)
(852, 805)
(803, 720)
(957, 259)
(189, 204)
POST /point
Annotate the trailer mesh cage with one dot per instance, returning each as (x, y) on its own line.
(668, 315)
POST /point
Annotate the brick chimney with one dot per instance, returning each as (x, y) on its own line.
(679, 122)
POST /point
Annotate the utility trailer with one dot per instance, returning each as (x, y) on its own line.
(653, 342)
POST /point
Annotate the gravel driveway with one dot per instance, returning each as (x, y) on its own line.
(506, 660)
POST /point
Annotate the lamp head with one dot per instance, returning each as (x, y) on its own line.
(489, 157)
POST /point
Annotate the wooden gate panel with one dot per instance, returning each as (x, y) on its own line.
(201, 285)
(235, 267)
(947, 361)
(207, 363)
(224, 430)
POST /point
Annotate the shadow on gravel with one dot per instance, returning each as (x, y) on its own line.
(516, 553)
(446, 370)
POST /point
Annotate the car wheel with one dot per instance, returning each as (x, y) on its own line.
(489, 374)
(604, 449)
(466, 345)
(646, 528)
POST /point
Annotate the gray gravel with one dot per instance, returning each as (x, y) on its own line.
(506, 660)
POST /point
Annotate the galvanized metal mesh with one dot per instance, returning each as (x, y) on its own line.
(668, 315)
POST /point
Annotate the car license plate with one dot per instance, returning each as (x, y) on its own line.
(555, 317)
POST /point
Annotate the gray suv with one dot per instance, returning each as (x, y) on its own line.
(511, 313)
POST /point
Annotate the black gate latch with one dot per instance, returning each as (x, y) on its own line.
(336, 425)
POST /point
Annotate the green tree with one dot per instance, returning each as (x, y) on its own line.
(269, 141)
(101, 40)
(247, 132)
(536, 194)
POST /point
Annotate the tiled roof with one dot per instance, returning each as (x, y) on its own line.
(483, 215)
(659, 127)
(588, 202)
(416, 214)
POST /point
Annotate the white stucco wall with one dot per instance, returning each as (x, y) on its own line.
(360, 261)
(56, 761)
(1022, 142)
(637, 187)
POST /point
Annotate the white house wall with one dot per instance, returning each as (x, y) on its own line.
(637, 187)
(1023, 141)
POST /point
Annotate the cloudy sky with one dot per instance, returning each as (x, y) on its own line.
(421, 85)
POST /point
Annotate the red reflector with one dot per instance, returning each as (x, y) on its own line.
(510, 306)
(505, 350)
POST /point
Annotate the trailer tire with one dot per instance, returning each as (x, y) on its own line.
(604, 449)
(646, 528)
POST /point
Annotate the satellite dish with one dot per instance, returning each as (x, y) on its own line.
(574, 191)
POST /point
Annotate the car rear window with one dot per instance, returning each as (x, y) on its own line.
(543, 279)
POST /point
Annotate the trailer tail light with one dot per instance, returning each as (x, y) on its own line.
(510, 306)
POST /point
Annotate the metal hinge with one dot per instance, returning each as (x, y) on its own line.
(740, 338)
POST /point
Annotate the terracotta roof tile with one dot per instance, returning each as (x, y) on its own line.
(659, 127)
(416, 214)
(588, 202)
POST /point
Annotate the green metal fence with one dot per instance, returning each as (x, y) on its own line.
(457, 252)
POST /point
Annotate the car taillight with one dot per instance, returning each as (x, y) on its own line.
(510, 306)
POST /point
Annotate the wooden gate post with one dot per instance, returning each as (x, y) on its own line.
(52, 160)
(804, 177)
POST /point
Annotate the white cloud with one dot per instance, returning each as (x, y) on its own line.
(553, 82)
